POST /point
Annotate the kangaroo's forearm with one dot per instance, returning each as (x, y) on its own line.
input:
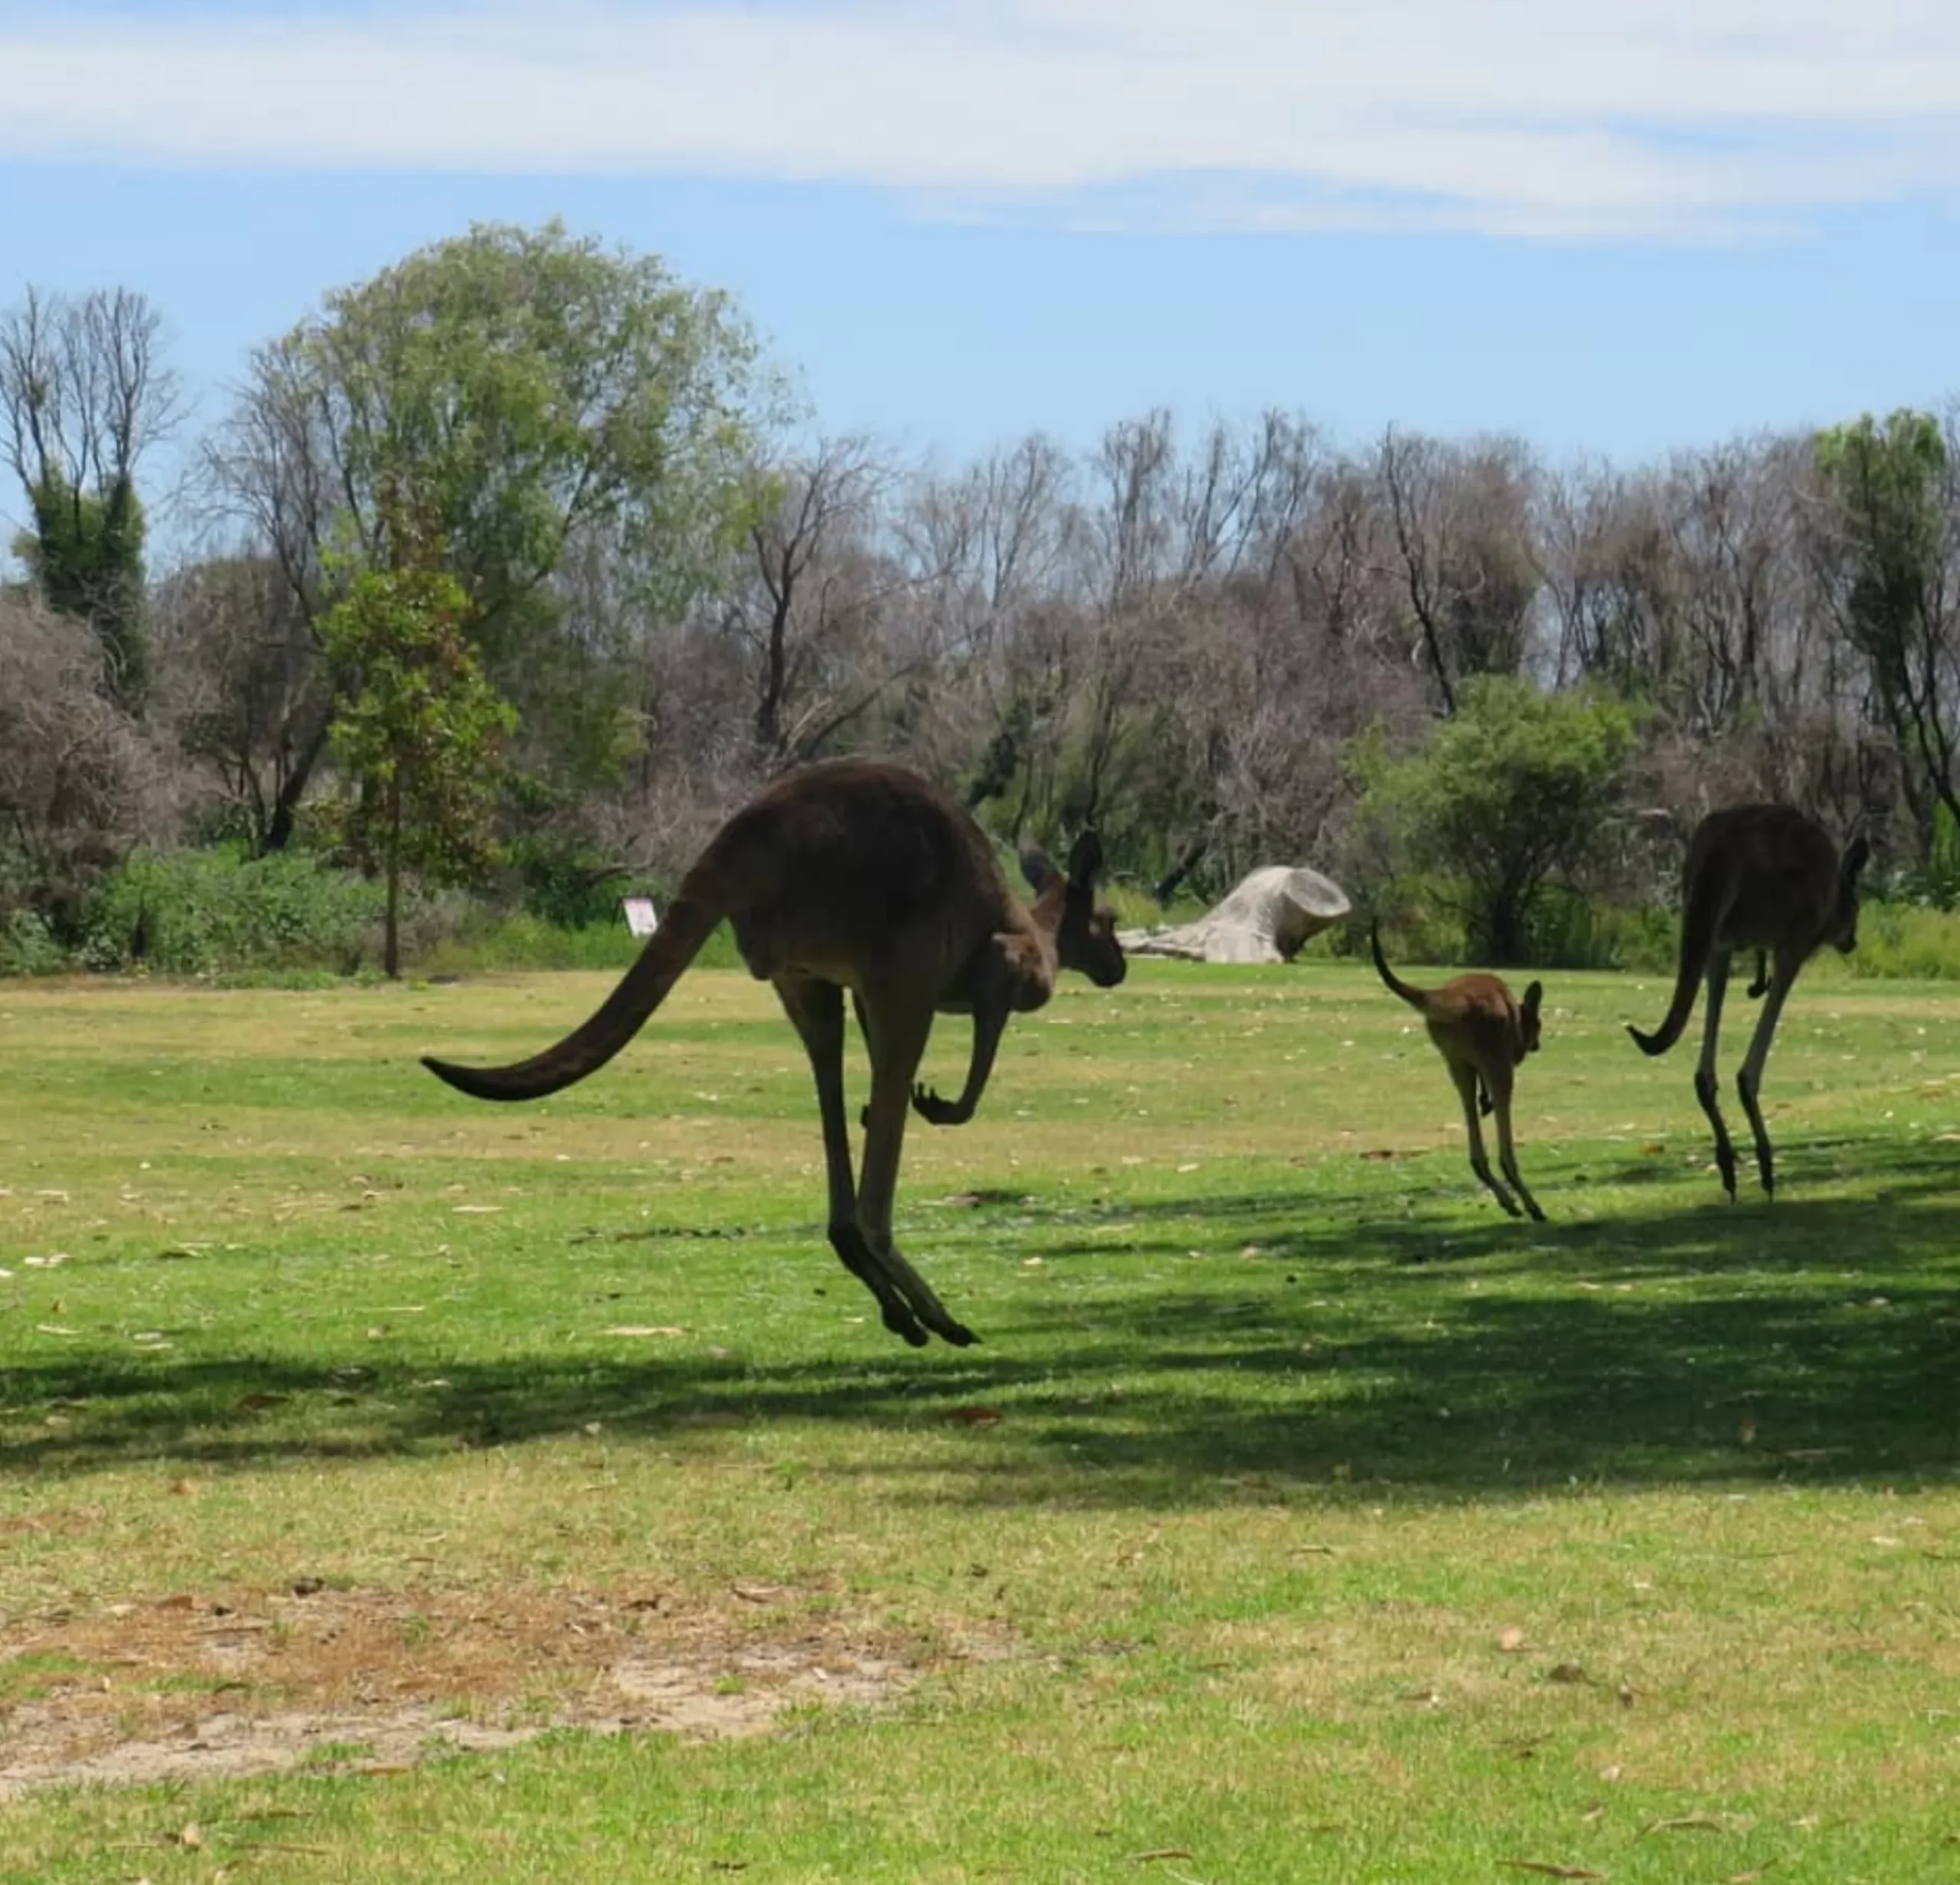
(988, 1023)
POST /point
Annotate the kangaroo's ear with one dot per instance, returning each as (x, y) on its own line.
(1086, 860)
(1037, 867)
(1533, 996)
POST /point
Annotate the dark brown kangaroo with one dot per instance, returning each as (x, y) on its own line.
(858, 875)
(1761, 877)
(1483, 1033)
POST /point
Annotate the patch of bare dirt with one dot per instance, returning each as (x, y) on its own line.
(190, 1688)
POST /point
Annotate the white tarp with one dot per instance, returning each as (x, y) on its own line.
(1272, 915)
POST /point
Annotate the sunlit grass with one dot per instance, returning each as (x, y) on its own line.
(1298, 1515)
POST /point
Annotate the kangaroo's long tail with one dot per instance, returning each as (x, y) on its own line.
(1396, 985)
(689, 922)
(1700, 917)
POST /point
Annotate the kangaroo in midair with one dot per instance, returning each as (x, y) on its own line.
(858, 875)
(1765, 878)
(1483, 1033)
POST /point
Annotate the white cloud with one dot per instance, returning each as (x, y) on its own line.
(1548, 117)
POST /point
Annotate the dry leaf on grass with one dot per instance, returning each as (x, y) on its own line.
(1545, 1868)
(1511, 1640)
(1694, 1822)
(974, 1416)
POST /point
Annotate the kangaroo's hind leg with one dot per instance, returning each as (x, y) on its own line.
(1750, 1078)
(817, 1010)
(1501, 1089)
(897, 1023)
(1707, 1088)
(1466, 1079)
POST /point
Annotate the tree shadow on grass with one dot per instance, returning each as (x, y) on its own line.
(1810, 1340)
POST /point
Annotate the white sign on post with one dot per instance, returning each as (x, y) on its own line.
(640, 918)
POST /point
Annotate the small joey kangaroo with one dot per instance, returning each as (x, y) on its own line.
(1483, 1033)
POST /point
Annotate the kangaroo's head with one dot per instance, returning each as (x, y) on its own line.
(1085, 929)
(1843, 930)
(1527, 1021)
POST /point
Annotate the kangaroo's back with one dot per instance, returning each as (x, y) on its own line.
(1777, 870)
(848, 872)
(1764, 877)
(838, 869)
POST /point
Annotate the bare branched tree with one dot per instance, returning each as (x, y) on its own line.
(239, 680)
(817, 590)
(84, 393)
(1467, 561)
(84, 389)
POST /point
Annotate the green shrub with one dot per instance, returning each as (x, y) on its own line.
(568, 885)
(1504, 807)
(1567, 930)
(208, 913)
(1935, 883)
(1571, 930)
(519, 941)
(1906, 940)
(27, 946)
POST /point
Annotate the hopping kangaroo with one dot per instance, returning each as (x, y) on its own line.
(858, 875)
(1761, 877)
(1483, 1033)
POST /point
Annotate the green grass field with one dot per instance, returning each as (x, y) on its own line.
(1300, 1516)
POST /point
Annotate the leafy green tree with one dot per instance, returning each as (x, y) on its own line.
(1889, 546)
(537, 391)
(418, 735)
(1508, 797)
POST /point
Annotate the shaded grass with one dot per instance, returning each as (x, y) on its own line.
(1292, 1436)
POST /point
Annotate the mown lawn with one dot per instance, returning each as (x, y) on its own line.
(1299, 1515)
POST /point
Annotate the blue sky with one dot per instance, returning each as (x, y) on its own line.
(1622, 228)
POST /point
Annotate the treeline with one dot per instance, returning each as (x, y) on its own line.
(516, 568)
